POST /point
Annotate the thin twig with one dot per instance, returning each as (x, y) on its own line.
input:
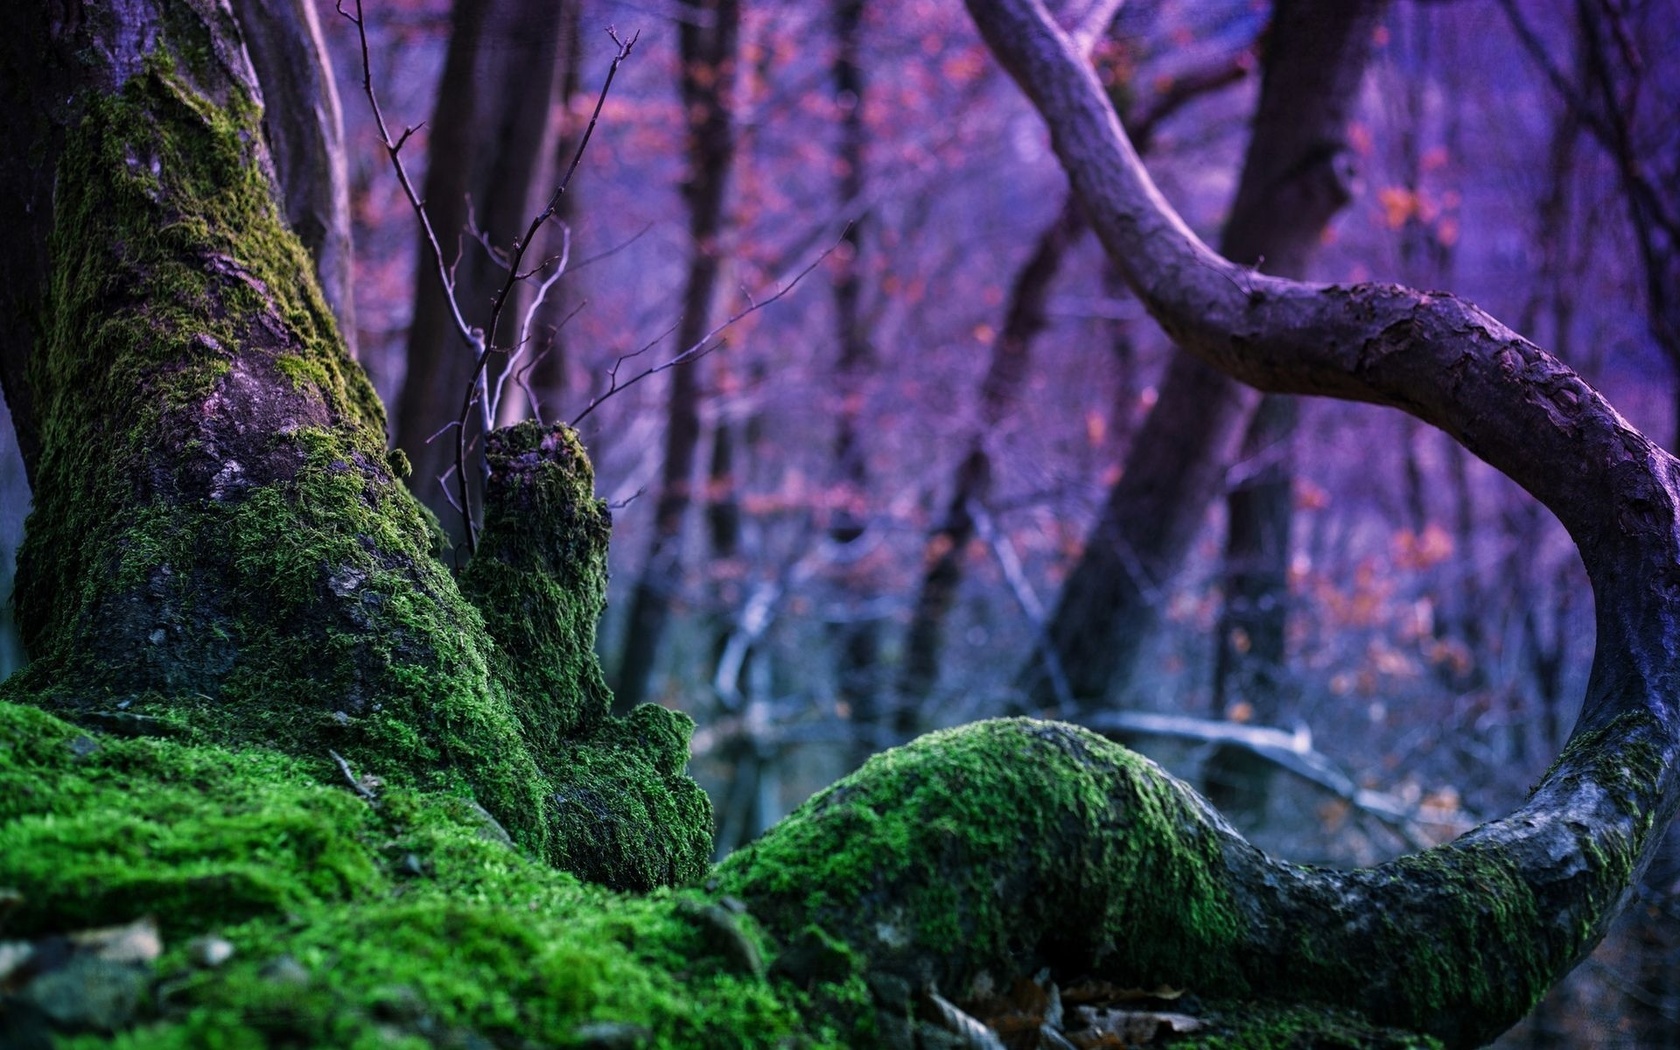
(476, 388)
(474, 338)
(560, 270)
(355, 784)
(700, 348)
(480, 341)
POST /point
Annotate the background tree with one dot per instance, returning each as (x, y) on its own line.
(708, 43)
(491, 163)
(1294, 181)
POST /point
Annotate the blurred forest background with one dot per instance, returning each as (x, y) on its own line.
(955, 472)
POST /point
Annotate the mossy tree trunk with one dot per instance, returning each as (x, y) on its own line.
(219, 540)
(1417, 942)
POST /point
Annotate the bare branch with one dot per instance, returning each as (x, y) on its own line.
(513, 362)
(700, 348)
(1597, 817)
(1091, 24)
(476, 388)
(471, 336)
(1028, 600)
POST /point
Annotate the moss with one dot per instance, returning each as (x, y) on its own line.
(621, 807)
(301, 370)
(540, 577)
(1268, 1026)
(406, 923)
(1621, 757)
(985, 847)
(1478, 913)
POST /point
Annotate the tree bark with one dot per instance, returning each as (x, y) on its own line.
(304, 128)
(707, 85)
(1294, 181)
(548, 375)
(1250, 645)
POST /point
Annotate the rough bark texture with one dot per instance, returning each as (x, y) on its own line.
(1294, 181)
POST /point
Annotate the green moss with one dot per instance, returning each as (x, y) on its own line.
(540, 577)
(1478, 913)
(1268, 1026)
(301, 370)
(621, 807)
(989, 845)
(1621, 757)
(406, 923)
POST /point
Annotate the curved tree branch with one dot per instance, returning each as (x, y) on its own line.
(1120, 870)
(1589, 825)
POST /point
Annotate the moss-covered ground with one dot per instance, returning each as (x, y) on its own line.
(409, 921)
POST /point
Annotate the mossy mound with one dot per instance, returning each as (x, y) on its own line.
(407, 922)
(998, 847)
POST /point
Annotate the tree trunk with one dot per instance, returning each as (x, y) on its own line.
(859, 684)
(1250, 647)
(1294, 180)
(944, 556)
(707, 83)
(547, 375)
(219, 542)
(1591, 825)
(488, 160)
(304, 128)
